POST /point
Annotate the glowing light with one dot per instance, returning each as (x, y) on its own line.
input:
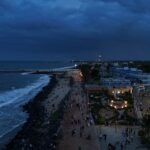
(112, 101)
(81, 74)
(115, 107)
(118, 92)
(75, 65)
(125, 102)
(91, 95)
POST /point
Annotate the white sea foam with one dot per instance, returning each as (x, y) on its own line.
(23, 94)
(63, 68)
(11, 129)
(11, 116)
(26, 73)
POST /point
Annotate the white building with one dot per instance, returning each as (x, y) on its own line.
(115, 82)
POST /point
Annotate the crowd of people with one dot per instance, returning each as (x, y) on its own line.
(82, 119)
(81, 125)
(127, 138)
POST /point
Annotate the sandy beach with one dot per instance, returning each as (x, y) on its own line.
(61, 106)
(56, 96)
(42, 124)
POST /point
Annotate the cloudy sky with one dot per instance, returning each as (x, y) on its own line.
(74, 29)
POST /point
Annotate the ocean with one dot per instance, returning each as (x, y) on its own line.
(16, 89)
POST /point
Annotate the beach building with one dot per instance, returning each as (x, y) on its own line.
(125, 71)
(115, 82)
(115, 88)
(118, 104)
(133, 74)
(116, 85)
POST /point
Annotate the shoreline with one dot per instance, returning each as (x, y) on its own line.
(39, 130)
(34, 111)
(10, 136)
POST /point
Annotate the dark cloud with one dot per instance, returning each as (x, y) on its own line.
(66, 27)
(142, 6)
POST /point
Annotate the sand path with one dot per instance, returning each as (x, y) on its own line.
(75, 119)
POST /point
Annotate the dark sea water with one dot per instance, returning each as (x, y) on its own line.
(22, 65)
(18, 89)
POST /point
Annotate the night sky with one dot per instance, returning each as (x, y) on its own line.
(74, 29)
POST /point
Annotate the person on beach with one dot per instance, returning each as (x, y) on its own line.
(80, 134)
(105, 137)
(121, 146)
(82, 128)
(73, 132)
(100, 137)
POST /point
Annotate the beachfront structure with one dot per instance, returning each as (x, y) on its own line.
(118, 104)
(115, 82)
(143, 77)
(124, 71)
(116, 86)
(139, 88)
(132, 74)
(118, 91)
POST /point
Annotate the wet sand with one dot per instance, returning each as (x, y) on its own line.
(9, 136)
